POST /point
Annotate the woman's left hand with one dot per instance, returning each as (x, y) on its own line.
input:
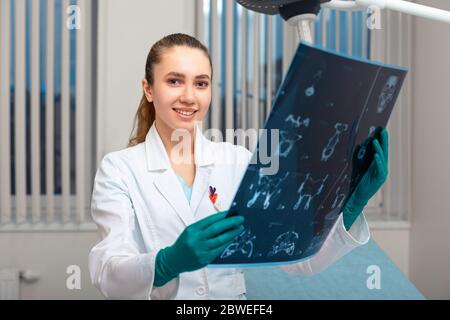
(370, 183)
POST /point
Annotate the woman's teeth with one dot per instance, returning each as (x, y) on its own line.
(185, 113)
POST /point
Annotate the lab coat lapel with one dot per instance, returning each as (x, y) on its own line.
(204, 160)
(166, 181)
(169, 186)
(200, 187)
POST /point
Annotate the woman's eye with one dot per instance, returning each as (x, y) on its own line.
(203, 84)
(173, 81)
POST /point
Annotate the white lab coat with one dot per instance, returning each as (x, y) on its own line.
(139, 207)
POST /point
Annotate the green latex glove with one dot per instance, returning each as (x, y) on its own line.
(198, 245)
(370, 183)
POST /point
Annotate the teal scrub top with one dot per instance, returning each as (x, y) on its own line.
(187, 190)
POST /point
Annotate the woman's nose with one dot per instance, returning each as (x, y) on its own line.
(188, 95)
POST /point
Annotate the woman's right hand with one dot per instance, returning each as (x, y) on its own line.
(198, 245)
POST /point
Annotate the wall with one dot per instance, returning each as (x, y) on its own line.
(49, 253)
(430, 246)
(395, 242)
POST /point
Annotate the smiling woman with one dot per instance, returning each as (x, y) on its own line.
(159, 227)
(177, 95)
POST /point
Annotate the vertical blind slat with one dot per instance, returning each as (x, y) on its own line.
(80, 108)
(324, 26)
(215, 29)
(269, 63)
(65, 113)
(285, 62)
(19, 106)
(201, 32)
(229, 123)
(338, 22)
(5, 100)
(49, 112)
(350, 33)
(364, 34)
(401, 99)
(397, 125)
(409, 59)
(261, 65)
(243, 80)
(256, 73)
(199, 21)
(35, 113)
(386, 190)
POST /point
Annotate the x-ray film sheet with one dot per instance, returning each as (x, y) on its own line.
(327, 111)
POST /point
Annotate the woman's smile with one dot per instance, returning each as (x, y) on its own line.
(185, 114)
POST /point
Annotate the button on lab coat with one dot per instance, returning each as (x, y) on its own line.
(139, 207)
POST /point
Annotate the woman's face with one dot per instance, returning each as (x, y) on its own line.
(181, 92)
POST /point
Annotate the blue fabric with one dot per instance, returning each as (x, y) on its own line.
(187, 190)
(345, 279)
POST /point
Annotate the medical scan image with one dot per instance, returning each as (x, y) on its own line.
(327, 111)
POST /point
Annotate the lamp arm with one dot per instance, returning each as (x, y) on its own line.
(403, 6)
(303, 21)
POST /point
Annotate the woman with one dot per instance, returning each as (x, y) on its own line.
(158, 227)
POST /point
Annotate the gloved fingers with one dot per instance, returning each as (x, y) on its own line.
(381, 167)
(216, 252)
(370, 174)
(384, 137)
(219, 227)
(206, 222)
(379, 150)
(224, 238)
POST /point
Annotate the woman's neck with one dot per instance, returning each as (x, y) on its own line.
(165, 132)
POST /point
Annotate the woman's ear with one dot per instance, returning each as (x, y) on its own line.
(147, 90)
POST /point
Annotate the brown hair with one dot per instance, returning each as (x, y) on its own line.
(145, 115)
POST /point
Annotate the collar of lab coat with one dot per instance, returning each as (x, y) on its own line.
(157, 158)
(167, 183)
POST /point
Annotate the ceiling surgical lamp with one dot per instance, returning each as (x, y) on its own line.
(300, 13)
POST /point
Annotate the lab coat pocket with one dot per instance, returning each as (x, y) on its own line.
(227, 283)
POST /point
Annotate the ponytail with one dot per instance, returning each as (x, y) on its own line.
(145, 116)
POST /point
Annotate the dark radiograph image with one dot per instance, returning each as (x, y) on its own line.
(327, 111)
